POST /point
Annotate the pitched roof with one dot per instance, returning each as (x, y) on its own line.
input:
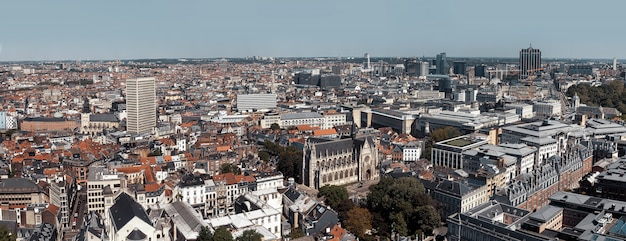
(223, 148)
(136, 234)
(18, 185)
(107, 117)
(337, 232)
(325, 132)
(125, 209)
(231, 178)
(331, 147)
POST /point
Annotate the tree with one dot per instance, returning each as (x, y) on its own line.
(444, 133)
(399, 202)
(343, 208)
(289, 159)
(610, 94)
(438, 135)
(205, 234)
(427, 218)
(275, 126)
(6, 234)
(333, 194)
(264, 156)
(296, 233)
(250, 235)
(359, 221)
(155, 152)
(228, 168)
(222, 234)
(290, 162)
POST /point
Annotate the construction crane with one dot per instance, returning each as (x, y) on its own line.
(531, 76)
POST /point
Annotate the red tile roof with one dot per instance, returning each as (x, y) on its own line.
(325, 132)
(231, 178)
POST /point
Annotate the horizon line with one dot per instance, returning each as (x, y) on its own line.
(297, 57)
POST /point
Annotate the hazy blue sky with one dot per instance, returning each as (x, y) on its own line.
(55, 30)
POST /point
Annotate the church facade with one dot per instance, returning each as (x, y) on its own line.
(339, 161)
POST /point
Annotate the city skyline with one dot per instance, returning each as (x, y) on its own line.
(158, 29)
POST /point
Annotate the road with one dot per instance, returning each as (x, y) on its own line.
(80, 208)
(359, 192)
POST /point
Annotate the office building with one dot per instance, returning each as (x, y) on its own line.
(423, 69)
(449, 153)
(548, 108)
(140, 105)
(480, 71)
(44, 124)
(525, 111)
(491, 221)
(548, 136)
(7, 121)
(611, 183)
(456, 196)
(256, 102)
(580, 70)
(398, 121)
(529, 61)
(524, 155)
(442, 64)
(569, 216)
(459, 67)
(102, 182)
(332, 119)
(301, 118)
(20, 191)
(61, 193)
(465, 121)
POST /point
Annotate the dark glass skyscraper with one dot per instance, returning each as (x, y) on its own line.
(442, 64)
(529, 59)
(459, 67)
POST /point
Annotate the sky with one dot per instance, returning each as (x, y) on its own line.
(122, 29)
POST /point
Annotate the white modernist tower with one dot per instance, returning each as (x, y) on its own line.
(140, 105)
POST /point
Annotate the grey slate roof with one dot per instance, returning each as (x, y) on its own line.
(18, 185)
(301, 115)
(125, 209)
(331, 147)
(108, 117)
(136, 235)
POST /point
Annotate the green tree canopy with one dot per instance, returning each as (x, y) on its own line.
(6, 235)
(289, 159)
(444, 133)
(228, 168)
(205, 234)
(250, 235)
(264, 156)
(401, 202)
(438, 135)
(296, 233)
(222, 234)
(610, 94)
(275, 126)
(343, 207)
(334, 195)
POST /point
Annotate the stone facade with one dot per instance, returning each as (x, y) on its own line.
(339, 162)
(531, 191)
